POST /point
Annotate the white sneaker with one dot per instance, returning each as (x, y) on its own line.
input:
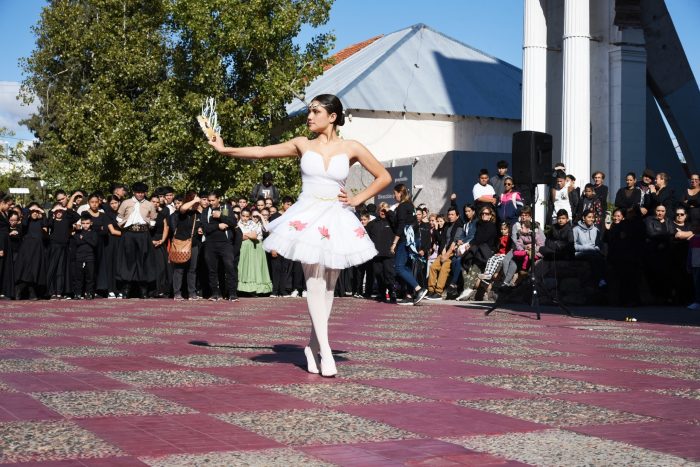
(295, 293)
(273, 295)
(111, 295)
(694, 306)
(485, 277)
(303, 293)
(466, 294)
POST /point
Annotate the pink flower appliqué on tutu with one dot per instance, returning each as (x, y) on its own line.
(297, 225)
(360, 232)
(324, 233)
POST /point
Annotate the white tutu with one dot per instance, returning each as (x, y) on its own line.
(318, 229)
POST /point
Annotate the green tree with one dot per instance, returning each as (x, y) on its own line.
(119, 83)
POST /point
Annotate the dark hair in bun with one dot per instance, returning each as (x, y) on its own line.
(333, 105)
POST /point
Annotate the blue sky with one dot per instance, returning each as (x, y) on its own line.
(493, 26)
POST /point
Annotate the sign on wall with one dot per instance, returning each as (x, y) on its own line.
(399, 174)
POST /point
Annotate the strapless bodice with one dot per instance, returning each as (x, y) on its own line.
(319, 180)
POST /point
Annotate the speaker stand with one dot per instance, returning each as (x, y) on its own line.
(532, 280)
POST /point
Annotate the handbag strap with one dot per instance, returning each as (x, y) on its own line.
(194, 223)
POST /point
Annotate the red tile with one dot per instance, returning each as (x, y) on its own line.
(643, 403)
(175, 434)
(626, 379)
(267, 374)
(231, 398)
(16, 407)
(677, 438)
(20, 353)
(445, 389)
(405, 452)
(441, 419)
(126, 363)
(50, 382)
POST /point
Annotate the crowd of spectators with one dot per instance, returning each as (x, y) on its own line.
(113, 245)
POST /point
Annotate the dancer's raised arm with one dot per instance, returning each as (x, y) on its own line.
(289, 148)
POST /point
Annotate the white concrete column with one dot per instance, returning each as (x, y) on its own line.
(534, 104)
(576, 95)
(534, 116)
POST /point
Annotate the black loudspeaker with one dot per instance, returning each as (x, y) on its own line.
(532, 158)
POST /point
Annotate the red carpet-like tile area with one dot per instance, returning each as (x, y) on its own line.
(164, 383)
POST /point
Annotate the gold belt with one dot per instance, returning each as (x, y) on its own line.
(137, 228)
(326, 199)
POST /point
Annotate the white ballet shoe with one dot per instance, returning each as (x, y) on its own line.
(311, 360)
(328, 367)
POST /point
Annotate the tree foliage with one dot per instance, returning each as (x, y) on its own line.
(119, 83)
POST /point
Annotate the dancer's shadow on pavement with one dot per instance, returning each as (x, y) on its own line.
(281, 353)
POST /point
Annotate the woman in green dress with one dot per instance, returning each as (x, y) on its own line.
(253, 275)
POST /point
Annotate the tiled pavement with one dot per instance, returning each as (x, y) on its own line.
(123, 383)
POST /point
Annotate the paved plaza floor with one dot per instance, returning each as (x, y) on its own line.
(165, 383)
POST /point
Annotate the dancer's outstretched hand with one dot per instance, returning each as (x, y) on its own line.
(217, 143)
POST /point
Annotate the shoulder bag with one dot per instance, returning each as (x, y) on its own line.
(181, 250)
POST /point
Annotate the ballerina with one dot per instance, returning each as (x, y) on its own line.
(320, 230)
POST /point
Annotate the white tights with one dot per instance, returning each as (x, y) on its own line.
(320, 287)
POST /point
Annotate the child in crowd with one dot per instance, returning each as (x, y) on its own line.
(493, 265)
(84, 266)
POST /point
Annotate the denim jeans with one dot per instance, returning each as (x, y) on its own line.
(401, 267)
(456, 270)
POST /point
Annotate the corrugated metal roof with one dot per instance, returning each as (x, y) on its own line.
(418, 69)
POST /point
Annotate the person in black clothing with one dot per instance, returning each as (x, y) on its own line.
(219, 229)
(7, 276)
(382, 235)
(421, 232)
(574, 192)
(497, 181)
(159, 237)
(60, 226)
(15, 234)
(265, 190)
(100, 225)
(280, 268)
(188, 225)
(452, 236)
(644, 185)
(625, 240)
(136, 263)
(85, 256)
(364, 273)
(659, 233)
(662, 194)
(481, 248)
(629, 196)
(111, 250)
(30, 268)
(691, 200)
(405, 216)
(601, 191)
(680, 279)
(559, 244)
